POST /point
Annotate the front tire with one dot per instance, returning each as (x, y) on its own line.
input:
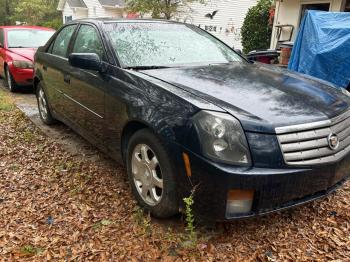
(151, 174)
(43, 105)
(10, 82)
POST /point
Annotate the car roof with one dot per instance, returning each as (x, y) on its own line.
(7, 27)
(123, 20)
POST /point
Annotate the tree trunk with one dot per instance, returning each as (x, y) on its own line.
(167, 11)
(7, 13)
(167, 16)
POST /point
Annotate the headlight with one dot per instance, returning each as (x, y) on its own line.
(23, 64)
(222, 138)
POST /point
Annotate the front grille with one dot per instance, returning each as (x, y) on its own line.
(308, 144)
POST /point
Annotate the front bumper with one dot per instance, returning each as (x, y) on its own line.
(275, 189)
(22, 77)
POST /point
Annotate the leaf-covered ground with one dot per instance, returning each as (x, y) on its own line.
(56, 206)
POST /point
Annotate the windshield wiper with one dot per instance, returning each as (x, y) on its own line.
(18, 47)
(146, 67)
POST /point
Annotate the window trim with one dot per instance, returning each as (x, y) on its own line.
(74, 38)
(52, 43)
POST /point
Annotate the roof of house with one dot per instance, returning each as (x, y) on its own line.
(114, 3)
(81, 3)
(76, 3)
(71, 3)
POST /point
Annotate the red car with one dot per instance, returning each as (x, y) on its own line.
(18, 45)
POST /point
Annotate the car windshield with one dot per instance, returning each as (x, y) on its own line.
(147, 44)
(27, 38)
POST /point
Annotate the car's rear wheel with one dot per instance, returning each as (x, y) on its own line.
(43, 105)
(151, 174)
(10, 82)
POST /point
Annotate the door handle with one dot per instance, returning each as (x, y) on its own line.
(66, 78)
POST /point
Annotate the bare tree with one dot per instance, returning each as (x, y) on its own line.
(159, 8)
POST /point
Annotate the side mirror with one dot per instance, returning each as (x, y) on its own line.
(89, 61)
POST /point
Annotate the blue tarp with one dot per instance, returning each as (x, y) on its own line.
(322, 48)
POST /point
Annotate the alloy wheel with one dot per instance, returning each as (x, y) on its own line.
(147, 174)
(42, 104)
(9, 79)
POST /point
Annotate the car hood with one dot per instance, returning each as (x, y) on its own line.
(261, 97)
(27, 53)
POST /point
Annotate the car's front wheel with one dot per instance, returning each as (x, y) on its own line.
(151, 174)
(43, 105)
(10, 82)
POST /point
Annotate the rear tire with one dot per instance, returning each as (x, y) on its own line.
(43, 105)
(10, 82)
(151, 174)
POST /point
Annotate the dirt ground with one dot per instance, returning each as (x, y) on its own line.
(72, 203)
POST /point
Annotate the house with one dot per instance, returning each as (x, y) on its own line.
(291, 12)
(222, 18)
(77, 9)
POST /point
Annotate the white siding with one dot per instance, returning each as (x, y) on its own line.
(95, 8)
(80, 13)
(76, 13)
(113, 12)
(67, 11)
(226, 25)
(227, 22)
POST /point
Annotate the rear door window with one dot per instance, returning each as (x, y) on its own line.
(61, 44)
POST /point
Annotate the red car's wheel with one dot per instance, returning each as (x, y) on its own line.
(10, 82)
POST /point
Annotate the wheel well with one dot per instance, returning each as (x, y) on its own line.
(35, 84)
(128, 131)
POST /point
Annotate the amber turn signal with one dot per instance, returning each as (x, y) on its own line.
(187, 163)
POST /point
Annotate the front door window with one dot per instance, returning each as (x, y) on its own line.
(88, 41)
(60, 46)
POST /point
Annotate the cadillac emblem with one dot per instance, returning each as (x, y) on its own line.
(333, 141)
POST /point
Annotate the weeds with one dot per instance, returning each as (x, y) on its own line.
(171, 236)
(143, 221)
(28, 136)
(103, 223)
(191, 240)
(31, 250)
(14, 167)
(5, 102)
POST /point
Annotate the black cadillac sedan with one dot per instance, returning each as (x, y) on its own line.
(185, 113)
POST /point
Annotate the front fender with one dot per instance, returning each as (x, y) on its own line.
(165, 109)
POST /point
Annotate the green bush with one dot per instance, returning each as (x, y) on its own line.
(256, 30)
(54, 23)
